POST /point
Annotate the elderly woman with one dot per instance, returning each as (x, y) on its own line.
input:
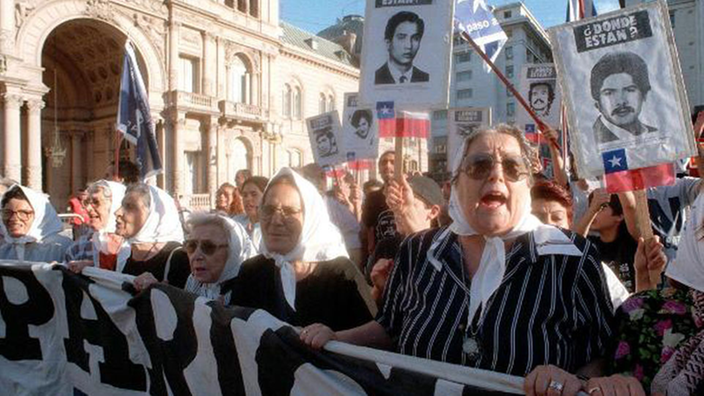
(148, 219)
(102, 248)
(30, 227)
(497, 289)
(303, 274)
(252, 193)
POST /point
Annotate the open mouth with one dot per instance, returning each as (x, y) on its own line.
(493, 200)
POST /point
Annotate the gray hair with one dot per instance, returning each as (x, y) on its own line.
(101, 187)
(203, 219)
(528, 152)
(143, 191)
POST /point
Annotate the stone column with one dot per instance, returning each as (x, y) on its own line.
(76, 162)
(178, 123)
(7, 26)
(12, 142)
(173, 54)
(212, 155)
(209, 65)
(34, 143)
(221, 71)
(161, 142)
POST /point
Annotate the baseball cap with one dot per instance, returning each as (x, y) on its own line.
(426, 189)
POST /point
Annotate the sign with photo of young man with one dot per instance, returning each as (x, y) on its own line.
(406, 56)
(461, 122)
(360, 134)
(625, 65)
(538, 84)
(324, 131)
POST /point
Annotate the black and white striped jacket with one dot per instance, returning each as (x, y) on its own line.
(549, 309)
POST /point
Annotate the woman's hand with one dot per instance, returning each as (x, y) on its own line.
(649, 263)
(600, 199)
(144, 280)
(551, 380)
(317, 335)
(77, 266)
(615, 385)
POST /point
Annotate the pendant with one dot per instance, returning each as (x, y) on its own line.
(470, 347)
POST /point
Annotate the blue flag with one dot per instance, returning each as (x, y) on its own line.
(615, 161)
(134, 118)
(475, 18)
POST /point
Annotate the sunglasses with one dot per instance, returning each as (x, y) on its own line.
(287, 212)
(206, 246)
(480, 166)
(23, 215)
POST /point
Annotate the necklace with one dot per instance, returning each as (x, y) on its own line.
(470, 345)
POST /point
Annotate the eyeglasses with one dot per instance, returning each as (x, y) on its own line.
(206, 246)
(287, 212)
(23, 215)
(480, 166)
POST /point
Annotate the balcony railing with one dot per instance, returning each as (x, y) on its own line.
(193, 101)
(198, 202)
(241, 111)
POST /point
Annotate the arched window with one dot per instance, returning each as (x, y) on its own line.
(242, 5)
(331, 103)
(286, 101)
(240, 81)
(322, 104)
(254, 8)
(297, 105)
(295, 159)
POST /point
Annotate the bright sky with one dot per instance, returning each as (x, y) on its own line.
(316, 15)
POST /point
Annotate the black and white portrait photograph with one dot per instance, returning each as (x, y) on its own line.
(623, 90)
(325, 131)
(461, 122)
(538, 85)
(406, 56)
(359, 129)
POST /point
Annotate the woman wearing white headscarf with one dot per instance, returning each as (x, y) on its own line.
(102, 248)
(497, 289)
(303, 275)
(216, 248)
(30, 227)
(148, 219)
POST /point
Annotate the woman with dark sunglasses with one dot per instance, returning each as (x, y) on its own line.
(496, 289)
(303, 274)
(216, 248)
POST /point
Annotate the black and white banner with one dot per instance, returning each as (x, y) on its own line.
(64, 334)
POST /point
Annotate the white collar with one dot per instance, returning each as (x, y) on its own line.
(397, 74)
(621, 133)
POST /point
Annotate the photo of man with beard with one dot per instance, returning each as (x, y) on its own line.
(619, 87)
(540, 96)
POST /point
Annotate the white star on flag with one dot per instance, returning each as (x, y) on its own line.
(385, 110)
(615, 161)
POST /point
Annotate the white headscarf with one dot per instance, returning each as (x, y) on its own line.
(239, 249)
(492, 265)
(320, 240)
(100, 239)
(46, 222)
(163, 222)
(688, 267)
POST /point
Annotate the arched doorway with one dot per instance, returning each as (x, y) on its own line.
(239, 158)
(82, 61)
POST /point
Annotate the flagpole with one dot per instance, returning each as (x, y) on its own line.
(116, 168)
(541, 125)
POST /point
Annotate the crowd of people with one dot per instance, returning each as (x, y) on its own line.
(499, 268)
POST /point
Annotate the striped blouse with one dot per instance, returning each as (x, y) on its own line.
(548, 309)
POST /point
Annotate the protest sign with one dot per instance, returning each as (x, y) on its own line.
(460, 123)
(538, 83)
(324, 131)
(623, 90)
(406, 53)
(65, 334)
(360, 134)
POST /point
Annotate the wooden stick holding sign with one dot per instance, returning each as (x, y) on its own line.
(398, 159)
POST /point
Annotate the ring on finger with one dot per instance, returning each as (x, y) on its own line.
(556, 385)
(594, 389)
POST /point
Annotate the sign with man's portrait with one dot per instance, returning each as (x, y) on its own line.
(461, 122)
(538, 84)
(623, 89)
(324, 131)
(406, 53)
(360, 134)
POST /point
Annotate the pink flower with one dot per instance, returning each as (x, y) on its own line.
(622, 350)
(674, 307)
(638, 372)
(666, 354)
(632, 304)
(661, 326)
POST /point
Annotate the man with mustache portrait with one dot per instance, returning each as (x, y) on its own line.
(541, 95)
(619, 86)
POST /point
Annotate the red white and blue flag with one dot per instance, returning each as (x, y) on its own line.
(620, 178)
(580, 9)
(386, 117)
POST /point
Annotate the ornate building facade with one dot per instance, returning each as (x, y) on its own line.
(229, 88)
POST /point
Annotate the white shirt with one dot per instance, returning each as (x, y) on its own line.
(397, 74)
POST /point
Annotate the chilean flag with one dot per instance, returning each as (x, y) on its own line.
(403, 124)
(619, 178)
(386, 117)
